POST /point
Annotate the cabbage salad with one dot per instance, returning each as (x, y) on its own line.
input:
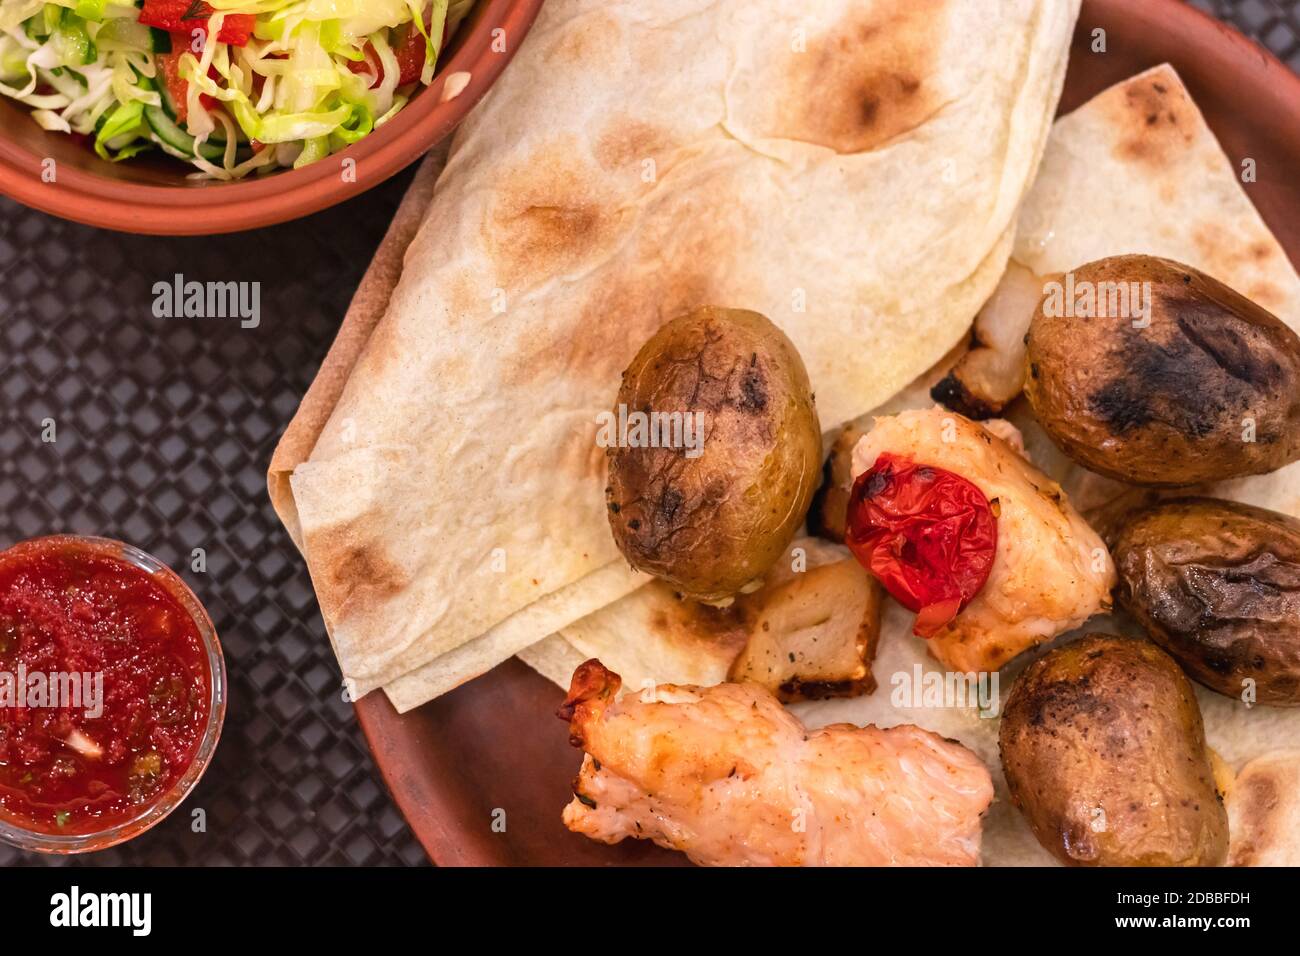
(229, 86)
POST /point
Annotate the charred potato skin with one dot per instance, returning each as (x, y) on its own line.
(713, 524)
(1167, 404)
(1217, 585)
(1104, 753)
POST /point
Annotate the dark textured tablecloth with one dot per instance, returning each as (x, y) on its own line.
(164, 431)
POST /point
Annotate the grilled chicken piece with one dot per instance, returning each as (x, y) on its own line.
(728, 776)
(988, 377)
(1051, 571)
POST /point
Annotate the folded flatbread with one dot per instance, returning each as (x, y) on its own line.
(851, 168)
(1112, 181)
(1264, 811)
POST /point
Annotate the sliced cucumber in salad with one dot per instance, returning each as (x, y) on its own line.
(71, 38)
(171, 134)
(123, 34)
(174, 138)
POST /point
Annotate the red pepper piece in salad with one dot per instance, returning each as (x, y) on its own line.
(410, 53)
(182, 16)
(169, 72)
(927, 534)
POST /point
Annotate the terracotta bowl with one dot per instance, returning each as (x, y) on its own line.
(152, 194)
(495, 743)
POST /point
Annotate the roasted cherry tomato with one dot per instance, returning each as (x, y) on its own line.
(182, 16)
(927, 534)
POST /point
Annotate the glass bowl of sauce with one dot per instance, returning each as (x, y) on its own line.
(112, 693)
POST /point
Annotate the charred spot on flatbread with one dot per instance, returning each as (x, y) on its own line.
(623, 307)
(627, 140)
(355, 573)
(1160, 120)
(865, 81)
(548, 216)
(1226, 258)
(589, 42)
(701, 628)
(1258, 794)
(1264, 811)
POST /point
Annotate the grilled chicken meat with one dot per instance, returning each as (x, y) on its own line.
(1051, 571)
(729, 777)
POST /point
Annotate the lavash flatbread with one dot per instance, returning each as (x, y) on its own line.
(368, 306)
(1264, 811)
(1111, 182)
(850, 169)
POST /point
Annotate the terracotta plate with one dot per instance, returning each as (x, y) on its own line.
(495, 742)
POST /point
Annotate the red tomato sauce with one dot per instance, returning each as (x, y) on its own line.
(66, 608)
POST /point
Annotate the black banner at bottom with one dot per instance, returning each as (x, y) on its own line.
(346, 906)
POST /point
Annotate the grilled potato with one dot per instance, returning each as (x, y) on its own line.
(1105, 754)
(1217, 585)
(1168, 377)
(711, 520)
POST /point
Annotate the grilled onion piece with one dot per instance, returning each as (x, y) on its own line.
(815, 635)
(988, 377)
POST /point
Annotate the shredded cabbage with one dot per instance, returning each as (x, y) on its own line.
(314, 77)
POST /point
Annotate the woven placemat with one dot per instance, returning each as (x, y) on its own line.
(164, 431)
(1274, 23)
